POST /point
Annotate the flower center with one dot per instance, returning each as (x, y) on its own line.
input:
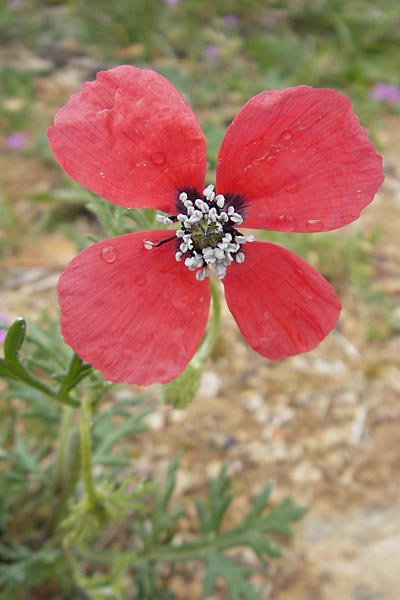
(208, 236)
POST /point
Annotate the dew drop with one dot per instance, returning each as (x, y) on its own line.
(287, 135)
(285, 223)
(292, 186)
(314, 225)
(158, 158)
(276, 148)
(108, 254)
(348, 218)
(266, 160)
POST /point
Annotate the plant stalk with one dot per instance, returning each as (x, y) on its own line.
(210, 338)
(86, 453)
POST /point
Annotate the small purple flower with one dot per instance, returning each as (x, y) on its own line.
(16, 4)
(4, 320)
(16, 141)
(171, 2)
(211, 52)
(387, 92)
(230, 20)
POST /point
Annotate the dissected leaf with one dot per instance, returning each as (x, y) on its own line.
(235, 576)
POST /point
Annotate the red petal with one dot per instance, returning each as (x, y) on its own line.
(130, 137)
(300, 159)
(137, 315)
(280, 303)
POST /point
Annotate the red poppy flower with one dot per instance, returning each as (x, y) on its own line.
(136, 306)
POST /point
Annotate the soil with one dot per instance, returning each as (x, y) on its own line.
(325, 426)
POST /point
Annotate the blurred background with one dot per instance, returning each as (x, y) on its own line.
(325, 426)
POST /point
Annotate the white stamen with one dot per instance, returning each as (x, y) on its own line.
(163, 219)
(219, 253)
(221, 271)
(242, 239)
(207, 236)
(220, 200)
(209, 193)
(236, 218)
(202, 274)
(190, 263)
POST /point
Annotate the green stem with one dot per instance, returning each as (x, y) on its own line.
(59, 508)
(18, 372)
(66, 421)
(189, 551)
(86, 453)
(211, 335)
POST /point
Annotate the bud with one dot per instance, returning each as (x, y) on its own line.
(180, 392)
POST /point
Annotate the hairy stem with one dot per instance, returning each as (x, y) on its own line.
(86, 453)
(211, 335)
(66, 422)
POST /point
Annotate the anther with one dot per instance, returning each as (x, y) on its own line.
(165, 220)
(220, 200)
(207, 235)
(149, 245)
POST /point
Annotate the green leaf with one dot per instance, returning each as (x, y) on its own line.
(24, 567)
(202, 514)
(262, 545)
(220, 497)
(277, 521)
(259, 504)
(77, 371)
(12, 368)
(15, 338)
(109, 436)
(163, 518)
(169, 484)
(235, 576)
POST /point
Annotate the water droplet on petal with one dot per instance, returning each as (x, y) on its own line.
(292, 186)
(285, 223)
(158, 158)
(260, 160)
(348, 218)
(314, 225)
(287, 134)
(276, 148)
(269, 158)
(108, 254)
